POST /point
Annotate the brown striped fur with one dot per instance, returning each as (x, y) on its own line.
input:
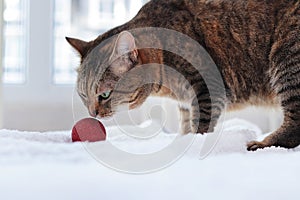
(254, 43)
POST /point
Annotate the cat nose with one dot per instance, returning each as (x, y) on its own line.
(93, 112)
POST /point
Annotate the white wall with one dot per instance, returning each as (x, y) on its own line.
(38, 113)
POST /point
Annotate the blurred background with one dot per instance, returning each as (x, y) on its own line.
(38, 65)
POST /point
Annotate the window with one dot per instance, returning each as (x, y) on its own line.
(85, 19)
(39, 64)
(15, 33)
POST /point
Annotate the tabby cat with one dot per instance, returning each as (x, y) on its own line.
(254, 43)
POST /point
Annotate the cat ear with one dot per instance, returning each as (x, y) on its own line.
(81, 46)
(125, 45)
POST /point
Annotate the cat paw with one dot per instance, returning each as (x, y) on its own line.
(204, 129)
(254, 145)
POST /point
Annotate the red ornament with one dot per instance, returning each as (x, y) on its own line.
(88, 130)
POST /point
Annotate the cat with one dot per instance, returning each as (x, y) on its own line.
(254, 43)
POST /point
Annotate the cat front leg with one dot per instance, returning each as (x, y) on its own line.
(204, 115)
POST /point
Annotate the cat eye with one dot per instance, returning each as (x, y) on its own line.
(104, 95)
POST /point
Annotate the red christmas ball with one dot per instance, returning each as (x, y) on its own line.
(88, 130)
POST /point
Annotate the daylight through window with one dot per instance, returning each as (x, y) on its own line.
(14, 47)
(85, 19)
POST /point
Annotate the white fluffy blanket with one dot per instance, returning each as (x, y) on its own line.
(49, 166)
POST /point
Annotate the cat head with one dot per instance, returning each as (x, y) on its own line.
(103, 81)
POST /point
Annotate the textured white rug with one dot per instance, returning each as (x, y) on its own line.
(49, 166)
